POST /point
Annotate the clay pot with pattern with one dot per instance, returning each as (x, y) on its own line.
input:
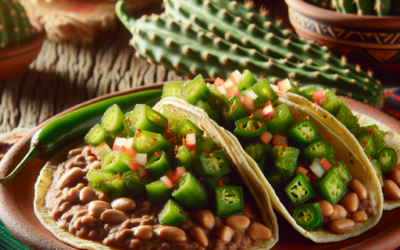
(371, 41)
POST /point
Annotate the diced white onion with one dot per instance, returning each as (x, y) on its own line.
(141, 159)
(317, 168)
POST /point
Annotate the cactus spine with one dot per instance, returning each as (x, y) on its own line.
(364, 7)
(322, 3)
(336, 5)
(382, 7)
(191, 50)
(14, 24)
(348, 6)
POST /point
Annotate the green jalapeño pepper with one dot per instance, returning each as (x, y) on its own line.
(189, 192)
(229, 200)
(250, 127)
(135, 184)
(116, 162)
(309, 217)
(187, 157)
(158, 164)
(377, 135)
(172, 89)
(280, 121)
(341, 170)
(96, 136)
(113, 120)
(307, 92)
(285, 161)
(304, 132)
(293, 88)
(263, 91)
(157, 192)
(69, 126)
(233, 111)
(204, 106)
(367, 144)
(188, 127)
(105, 182)
(299, 190)
(246, 80)
(320, 149)
(149, 142)
(214, 165)
(257, 152)
(195, 90)
(174, 120)
(205, 145)
(387, 158)
(330, 187)
(145, 118)
(346, 117)
(217, 100)
(332, 103)
(172, 214)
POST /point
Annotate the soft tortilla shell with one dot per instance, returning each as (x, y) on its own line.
(202, 121)
(262, 197)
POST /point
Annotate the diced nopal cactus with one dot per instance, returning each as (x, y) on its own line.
(236, 29)
(191, 50)
(15, 27)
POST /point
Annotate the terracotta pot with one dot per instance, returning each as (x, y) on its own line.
(15, 59)
(371, 41)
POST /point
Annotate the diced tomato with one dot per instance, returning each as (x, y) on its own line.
(142, 171)
(190, 141)
(118, 143)
(280, 140)
(133, 164)
(325, 164)
(227, 84)
(102, 150)
(128, 151)
(232, 90)
(179, 171)
(268, 103)
(218, 82)
(167, 182)
(319, 97)
(268, 111)
(169, 174)
(284, 85)
(236, 75)
(266, 137)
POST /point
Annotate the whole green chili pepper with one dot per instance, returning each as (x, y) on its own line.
(72, 125)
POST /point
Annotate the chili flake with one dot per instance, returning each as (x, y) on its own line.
(176, 148)
(370, 158)
(201, 178)
(192, 152)
(154, 139)
(202, 127)
(252, 115)
(217, 101)
(371, 131)
(157, 154)
(210, 155)
(259, 124)
(220, 182)
(308, 118)
(118, 176)
(138, 133)
(205, 152)
(128, 121)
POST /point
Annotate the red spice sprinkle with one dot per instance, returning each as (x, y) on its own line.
(205, 152)
(217, 101)
(220, 182)
(201, 178)
(280, 152)
(154, 139)
(118, 176)
(128, 121)
(202, 127)
(210, 155)
(157, 154)
(371, 131)
(222, 95)
(259, 124)
(365, 142)
(165, 124)
(192, 152)
(176, 148)
(138, 133)
(188, 115)
(191, 130)
(177, 158)
(370, 158)
(308, 118)
(252, 115)
(305, 232)
(337, 165)
(386, 132)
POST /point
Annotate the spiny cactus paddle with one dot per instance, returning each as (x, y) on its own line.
(226, 25)
(382, 7)
(190, 50)
(14, 24)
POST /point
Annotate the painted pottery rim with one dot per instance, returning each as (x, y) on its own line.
(347, 20)
(37, 237)
(27, 46)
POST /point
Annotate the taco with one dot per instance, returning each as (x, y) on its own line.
(369, 137)
(108, 195)
(326, 190)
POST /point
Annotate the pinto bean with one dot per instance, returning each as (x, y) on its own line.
(87, 220)
(357, 187)
(224, 233)
(258, 231)
(94, 165)
(206, 219)
(237, 222)
(111, 216)
(367, 206)
(301, 170)
(123, 204)
(79, 158)
(172, 234)
(350, 202)
(80, 186)
(247, 210)
(87, 195)
(338, 213)
(359, 217)
(198, 235)
(326, 208)
(73, 194)
(143, 232)
(394, 175)
(70, 178)
(342, 226)
(96, 208)
(91, 159)
(74, 152)
(391, 190)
